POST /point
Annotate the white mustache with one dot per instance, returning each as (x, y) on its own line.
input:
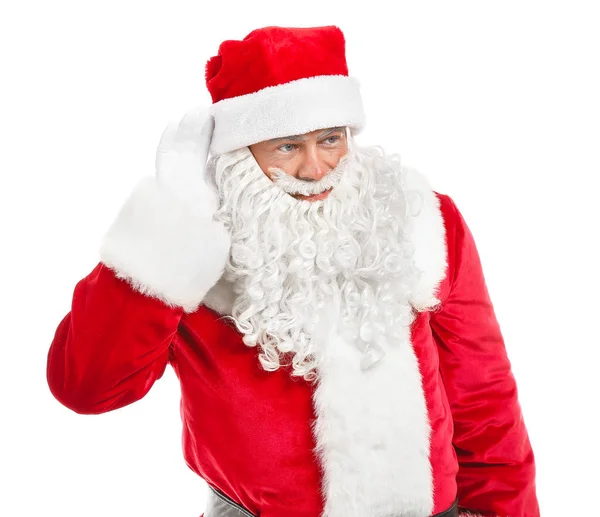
(293, 185)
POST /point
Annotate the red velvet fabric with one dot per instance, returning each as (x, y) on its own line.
(444, 466)
(496, 474)
(272, 56)
(111, 347)
(249, 432)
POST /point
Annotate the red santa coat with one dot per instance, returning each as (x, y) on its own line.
(437, 420)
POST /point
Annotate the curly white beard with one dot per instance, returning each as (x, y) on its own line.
(300, 269)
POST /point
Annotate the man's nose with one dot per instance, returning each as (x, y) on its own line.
(313, 167)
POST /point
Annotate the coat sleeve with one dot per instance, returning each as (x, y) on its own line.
(111, 347)
(496, 474)
(158, 260)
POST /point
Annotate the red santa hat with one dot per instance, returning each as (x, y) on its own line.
(280, 82)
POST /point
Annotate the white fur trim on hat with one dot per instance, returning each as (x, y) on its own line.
(288, 109)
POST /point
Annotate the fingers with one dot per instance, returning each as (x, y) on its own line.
(192, 134)
(166, 145)
(167, 139)
(196, 127)
(184, 145)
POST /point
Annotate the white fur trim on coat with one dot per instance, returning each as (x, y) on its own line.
(164, 248)
(288, 109)
(428, 237)
(372, 433)
(376, 421)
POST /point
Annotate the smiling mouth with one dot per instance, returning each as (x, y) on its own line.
(313, 197)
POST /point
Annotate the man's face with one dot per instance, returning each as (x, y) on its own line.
(308, 157)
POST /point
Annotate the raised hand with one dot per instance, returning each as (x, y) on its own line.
(181, 159)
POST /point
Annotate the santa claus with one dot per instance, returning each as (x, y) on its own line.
(323, 308)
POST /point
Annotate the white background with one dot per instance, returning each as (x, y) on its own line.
(496, 102)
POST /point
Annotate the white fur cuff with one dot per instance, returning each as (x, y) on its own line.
(165, 248)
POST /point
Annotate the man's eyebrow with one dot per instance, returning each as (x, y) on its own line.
(330, 130)
(292, 137)
(300, 138)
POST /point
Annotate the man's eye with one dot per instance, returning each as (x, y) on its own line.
(332, 139)
(287, 148)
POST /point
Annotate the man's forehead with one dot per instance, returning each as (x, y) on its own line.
(323, 133)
